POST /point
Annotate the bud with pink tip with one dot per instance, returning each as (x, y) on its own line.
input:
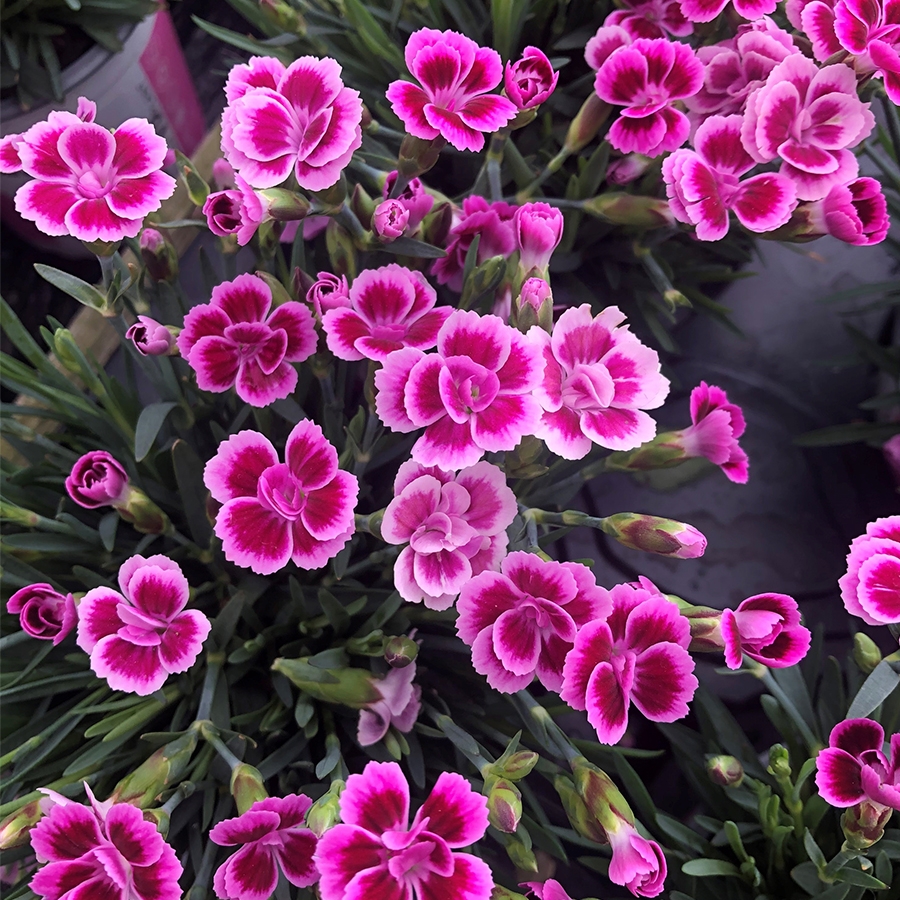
(530, 80)
(328, 292)
(414, 197)
(152, 339)
(44, 613)
(159, 256)
(653, 534)
(97, 479)
(535, 305)
(390, 220)
(538, 230)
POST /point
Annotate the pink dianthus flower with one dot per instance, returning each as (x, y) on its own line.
(298, 119)
(376, 853)
(138, 637)
(453, 102)
(97, 479)
(530, 80)
(492, 222)
(598, 378)
(328, 292)
(43, 612)
(234, 340)
(273, 838)
(105, 851)
(399, 706)
(638, 655)
(855, 213)
(389, 308)
(645, 78)
(854, 768)
(274, 512)
(707, 10)
(651, 19)
(765, 627)
(88, 182)
(870, 588)
(871, 29)
(416, 200)
(704, 184)
(538, 228)
(636, 863)
(455, 525)
(522, 621)
(809, 117)
(474, 395)
(716, 426)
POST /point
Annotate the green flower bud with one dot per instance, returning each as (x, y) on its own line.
(164, 768)
(362, 205)
(725, 771)
(863, 825)
(706, 629)
(779, 762)
(326, 811)
(620, 208)
(159, 256)
(246, 787)
(653, 534)
(16, 827)
(584, 127)
(138, 509)
(355, 688)
(501, 893)
(577, 813)
(483, 280)
(400, 651)
(603, 800)
(865, 652)
(418, 156)
(504, 805)
(280, 294)
(663, 452)
(517, 765)
(283, 16)
(521, 856)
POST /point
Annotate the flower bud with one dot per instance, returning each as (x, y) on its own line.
(159, 256)
(223, 174)
(725, 771)
(138, 509)
(855, 213)
(282, 205)
(363, 206)
(341, 250)
(326, 811)
(517, 765)
(706, 628)
(538, 230)
(43, 612)
(865, 653)
(143, 786)
(603, 800)
(328, 292)
(246, 787)
(223, 212)
(280, 294)
(152, 339)
(400, 651)
(530, 80)
(159, 818)
(521, 856)
(16, 827)
(356, 688)
(577, 813)
(534, 305)
(863, 825)
(282, 15)
(627, 169)
(504, 802)
(97, 479)
(418, 155)
(779, 762)
(584, 127)
(414, 197)
(501, 893)
(653, 534)
(484, 279)
(630, 209)
(389, 220)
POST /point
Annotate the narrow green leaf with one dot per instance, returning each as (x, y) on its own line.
(148, 424)
(708, 868)
(107, 528)
(411, 247)
(81, 291)
(189, 475)
(636, 790)
(849, 875)
(837, 435)
(875, 690)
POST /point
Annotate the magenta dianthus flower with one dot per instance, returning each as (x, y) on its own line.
(453, 101)
(638, 655)
(97, 479)
(274, 512)
(704, 184)
(150, 338)
(598, 378)
(474, 395)
(651, 19)
(328, 292)
(88, 182)
(522, 621)
(273, 838)
(716, 426)
(854, 768)
(376, 853)
(414, 198)
(105, 851)
(707, 10)
(455, 525)
(855, 213)
(636, 863)
(530, 80)
(765, 627)
(870, 588)
(871, 29)
(399, 706)
(389, 308)
(538, 228)
(43, 612)
(298, 119)
(645, 77)
(236, 340)
(138, 637)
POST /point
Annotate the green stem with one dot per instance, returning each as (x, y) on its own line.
(551, 168)
(214, 661)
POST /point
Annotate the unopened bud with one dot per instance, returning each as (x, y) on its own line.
(779, 762)
(725, 771)
(282, 15)
(16, 827)
(628, 168)
(143, 786)
(584, 127)
(521, 856)
(865, 652)
(159, 818)
(282, 205)
(341, 251)
(517, 765)
(355, 688)
(418, 155)
(630, 209)
(534, 305)
(603, 800)
(280, 293)
(863, 825)
(484, 279)
(9, 512)
(577, 813)
(159, 256)
(138, 509)
(389, 220)
(197, 188)
(363, 206)
(400, 651)
(706, 628)
(501, 893)
(653, 534)
(326, 811)
(504, 802)
(246, 787)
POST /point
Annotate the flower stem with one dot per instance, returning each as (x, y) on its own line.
(551, 168)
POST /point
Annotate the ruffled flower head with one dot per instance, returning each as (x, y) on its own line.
(638, 655)
(105, 851)
(870, 588)
(473, 395)
(398, 707)
(455, 526)
(237, 340)
(389, 308)
(716, 426)
(274, 512)
(651, 19)
(375, 852)
(767, 628)
(88, 182)
(138, 637)
(298, 120)
(43, 612)
(273, 839)
(530, 80)
(598, 379)
(453, 101)
(522, 621)
(707, 10)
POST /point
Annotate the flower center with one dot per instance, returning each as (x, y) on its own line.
(281, 492)
(588, 388)
(478, 391)
(390, 331)
(91, 186)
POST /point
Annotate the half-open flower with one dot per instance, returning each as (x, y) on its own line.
(138, 637)
(43, 612)
(274, 512)
(530, 80)
(767, 628)
(855, 213)
(716, 425)
(398, 707)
